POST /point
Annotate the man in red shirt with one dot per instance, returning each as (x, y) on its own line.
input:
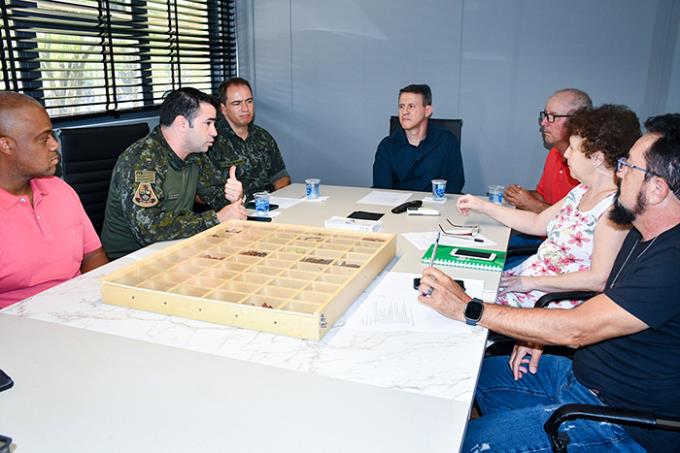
(556, 181)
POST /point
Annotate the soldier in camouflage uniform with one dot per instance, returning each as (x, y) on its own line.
(156, 180)
(240, 142)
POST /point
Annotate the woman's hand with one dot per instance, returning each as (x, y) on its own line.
(467, 203)
(515, 284)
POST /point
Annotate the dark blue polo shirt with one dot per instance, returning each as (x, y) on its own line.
(399, 165)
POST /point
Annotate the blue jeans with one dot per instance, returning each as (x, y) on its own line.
(514, 412)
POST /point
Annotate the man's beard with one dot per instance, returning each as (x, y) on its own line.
(622, 215)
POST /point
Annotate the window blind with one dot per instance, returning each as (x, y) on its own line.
(80, 57)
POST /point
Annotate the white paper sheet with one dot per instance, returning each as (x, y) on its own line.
(422, 241)
(283, 202)
(393, 306)
(315, 200)
(385, 198)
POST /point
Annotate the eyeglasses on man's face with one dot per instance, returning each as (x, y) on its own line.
(551, 117)
(623, 162)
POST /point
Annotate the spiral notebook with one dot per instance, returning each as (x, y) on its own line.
(444, 258)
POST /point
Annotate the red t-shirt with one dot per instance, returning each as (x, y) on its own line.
(556, 181)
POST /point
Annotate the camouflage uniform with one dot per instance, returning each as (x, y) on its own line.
(152, 195)
(258, 159)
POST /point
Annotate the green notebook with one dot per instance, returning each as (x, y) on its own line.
(444, 258)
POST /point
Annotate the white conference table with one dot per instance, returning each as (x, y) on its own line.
(94, 377)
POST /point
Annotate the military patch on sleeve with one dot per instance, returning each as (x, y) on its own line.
(144, 196)
(145, 176)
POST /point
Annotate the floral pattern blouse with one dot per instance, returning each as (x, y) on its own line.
(567, 248)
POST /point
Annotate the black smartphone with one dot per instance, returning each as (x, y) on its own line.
(416, 283)
(476, 254)
(258, 219)
(364, 215)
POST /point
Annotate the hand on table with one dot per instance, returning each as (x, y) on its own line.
(440, 292)
(524, 199)
(233, 211)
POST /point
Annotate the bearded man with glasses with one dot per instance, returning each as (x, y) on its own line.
(627, 338)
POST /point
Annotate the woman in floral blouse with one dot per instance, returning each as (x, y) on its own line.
(581, 243)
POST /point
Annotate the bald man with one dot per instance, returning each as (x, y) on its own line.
(556, 180)
(46, 236)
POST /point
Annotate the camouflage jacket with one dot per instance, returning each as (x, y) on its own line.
(258, 160)
(152, 194)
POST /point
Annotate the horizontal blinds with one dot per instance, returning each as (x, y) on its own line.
(91, 56)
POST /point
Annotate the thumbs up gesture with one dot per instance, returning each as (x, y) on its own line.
(233, 189)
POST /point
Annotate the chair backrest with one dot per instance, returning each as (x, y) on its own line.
(88, 155)
(454, 126)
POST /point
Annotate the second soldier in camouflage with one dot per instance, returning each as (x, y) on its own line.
(249, 147)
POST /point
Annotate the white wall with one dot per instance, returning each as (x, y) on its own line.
(326, 73)
(673, 101)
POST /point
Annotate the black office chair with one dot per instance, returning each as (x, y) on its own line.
(619, 416)
(88, 155)
(560, 440)
(454, 126)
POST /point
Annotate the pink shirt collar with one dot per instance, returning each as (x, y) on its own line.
(9, 200)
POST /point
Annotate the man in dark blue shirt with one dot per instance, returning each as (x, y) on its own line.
(628, 337)
(418, 152)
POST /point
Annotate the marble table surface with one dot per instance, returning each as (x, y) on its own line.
(439, 364)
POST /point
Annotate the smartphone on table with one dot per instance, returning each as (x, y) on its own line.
(476, 254)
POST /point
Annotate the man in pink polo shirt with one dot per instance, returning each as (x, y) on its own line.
(556, 181)
(45, 236)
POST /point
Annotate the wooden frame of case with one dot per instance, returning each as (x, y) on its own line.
(284, 279)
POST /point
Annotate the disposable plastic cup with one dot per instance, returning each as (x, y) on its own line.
(312, 188)
(261, 203)
(439, 189)
(495, 194)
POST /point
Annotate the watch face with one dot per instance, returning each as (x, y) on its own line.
(474, 310)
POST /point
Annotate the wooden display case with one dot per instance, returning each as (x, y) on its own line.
(284, 279)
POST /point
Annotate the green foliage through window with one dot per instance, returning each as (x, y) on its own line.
(91, 56)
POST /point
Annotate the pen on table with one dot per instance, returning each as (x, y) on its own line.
(434, 249)
(434, 254)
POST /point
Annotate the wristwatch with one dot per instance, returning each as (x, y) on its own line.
(473, 311)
